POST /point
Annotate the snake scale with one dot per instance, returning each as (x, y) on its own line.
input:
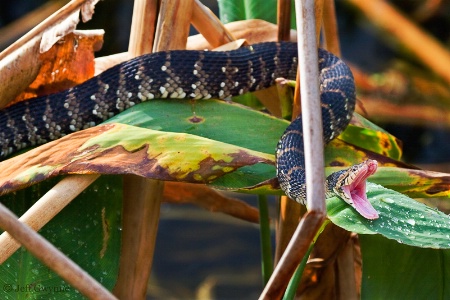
(200, 75)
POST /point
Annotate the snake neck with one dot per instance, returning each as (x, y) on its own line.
(337, 92)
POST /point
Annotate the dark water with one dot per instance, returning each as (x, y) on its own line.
(202, 254)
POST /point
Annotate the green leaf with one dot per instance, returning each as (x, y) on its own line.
(124, 149)
(395, 271)
(373, 140)
(229, 123)
(213, 119)
(236, 10)
(401, 219)
(170, 156)
(414, 183)
(87, 231)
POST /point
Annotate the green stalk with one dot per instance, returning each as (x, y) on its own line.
(295, 280)
(266, 246)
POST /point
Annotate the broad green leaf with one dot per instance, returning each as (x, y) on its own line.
(257, 179)
(395, 271)
(373, 140)
(227, 122)
(360, 121)
(340, 153)
(236, 10)
(174, 156)
(213, 119)
(401, 219)
(367, 135)
(414, 183)
(87, 231)
(123, 149)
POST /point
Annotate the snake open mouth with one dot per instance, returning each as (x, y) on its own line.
(356, 190)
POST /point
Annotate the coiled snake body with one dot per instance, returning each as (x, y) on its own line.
(199, 75)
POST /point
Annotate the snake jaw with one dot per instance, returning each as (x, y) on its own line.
(352, 188)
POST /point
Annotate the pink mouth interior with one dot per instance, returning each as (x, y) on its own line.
(357, 192)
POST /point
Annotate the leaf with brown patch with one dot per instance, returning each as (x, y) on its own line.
(124, 149)
(414, 183)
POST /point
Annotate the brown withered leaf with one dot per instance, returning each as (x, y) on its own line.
(68, 63)
(209, 199)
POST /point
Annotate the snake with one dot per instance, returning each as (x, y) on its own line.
(189, 74)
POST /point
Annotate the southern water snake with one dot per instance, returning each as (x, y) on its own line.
(199, 75)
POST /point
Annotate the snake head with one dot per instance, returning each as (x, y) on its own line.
(350, 185)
